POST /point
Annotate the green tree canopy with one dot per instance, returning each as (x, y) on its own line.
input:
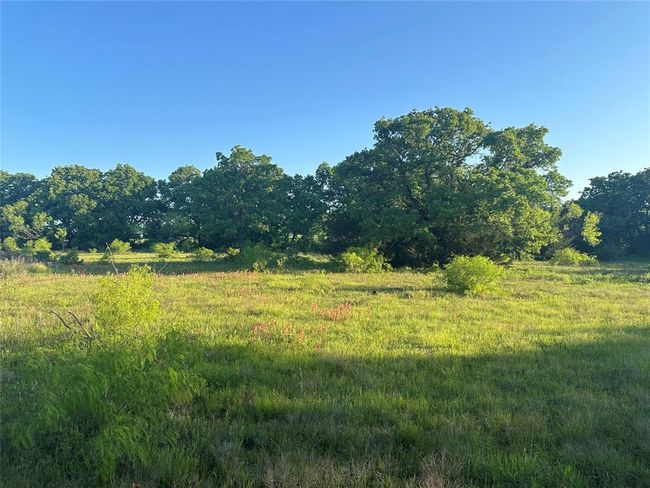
(435, 183)
(179, 219)
(623, 201)
(441, 182)
(240, 199)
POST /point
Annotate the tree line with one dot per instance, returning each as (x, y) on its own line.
(435, 183)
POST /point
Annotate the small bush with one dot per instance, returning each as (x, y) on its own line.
(570, 257)
(10, 246)
(164, 250)
(40, 249)
(71, 257)
(259, 257)
(125, 304)
(202, 254)
(472, 274)
(363, 260)
(118, 247)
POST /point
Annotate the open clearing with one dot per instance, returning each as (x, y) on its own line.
(329, 379)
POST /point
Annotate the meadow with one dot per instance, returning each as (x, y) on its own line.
(309, 377)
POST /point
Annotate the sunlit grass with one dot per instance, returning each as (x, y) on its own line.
(133, 257)
(328, 379)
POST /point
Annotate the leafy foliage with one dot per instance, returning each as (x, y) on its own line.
(10, 246)
(440, 182)
(622, 201)
(98, 400)
(577, 228)
(187, 244)
(363, 260)
(436, 183)
(202, 254)
(164, 250)
(117, 246)
(40, 249)
(590, 231)
(71, 257)
(571, 257)
(472, 274)
(125, 305)
(259, 257)
(240, 199)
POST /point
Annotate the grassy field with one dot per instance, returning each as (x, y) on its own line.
(329, 379)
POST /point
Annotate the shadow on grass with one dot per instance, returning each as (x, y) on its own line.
(619, 272)
(192, 413)
(406, 291)
(294, 263)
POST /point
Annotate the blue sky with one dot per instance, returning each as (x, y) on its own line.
(157, 85)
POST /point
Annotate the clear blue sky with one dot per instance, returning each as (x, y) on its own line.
(157, 85)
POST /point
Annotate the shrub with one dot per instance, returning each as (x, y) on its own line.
(472, 274)
(233, 251)
(363, 260)
(259, 257)
(125, 304)
(105, 396)
(570, 257)
(187, 244)
(164, 250)
(40, 249)
(202, 254)
(71, 257)
(10, 246)
(118, 247)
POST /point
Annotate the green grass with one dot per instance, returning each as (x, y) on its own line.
(328, 379)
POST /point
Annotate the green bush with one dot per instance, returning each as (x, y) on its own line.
(187, 244)
(202, 254)
(363, 260)
(71, 257)
(570, 257)
(10, 246)
(40, 249)
(259, 257)
(233, 251)
(472, 274)
(164, 250)
(125, 304)
(118, 247)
